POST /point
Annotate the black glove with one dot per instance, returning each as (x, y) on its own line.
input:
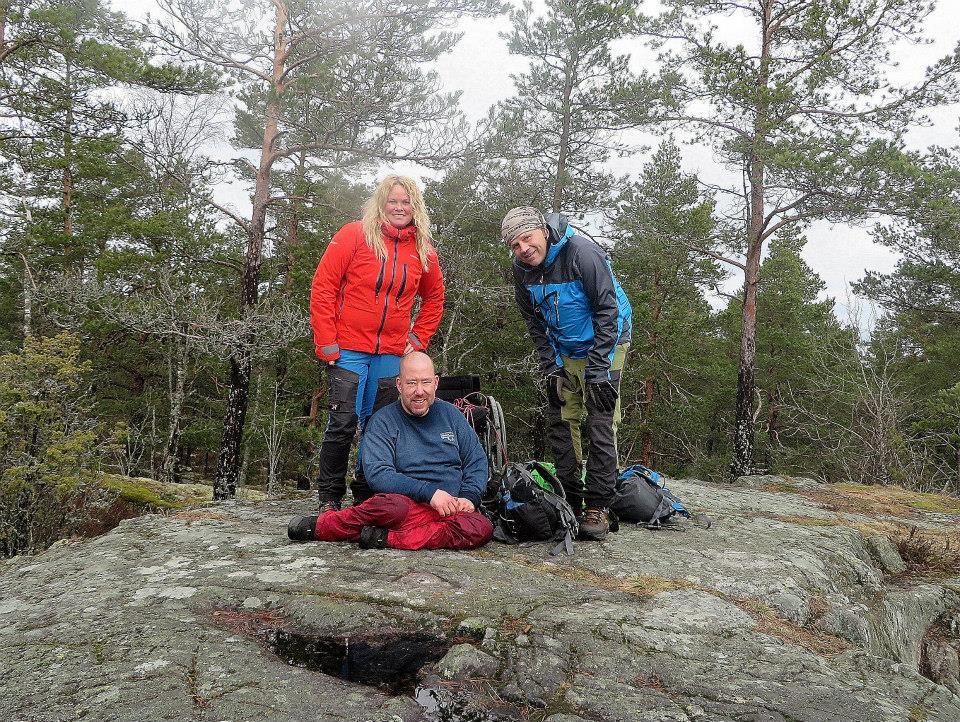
(555, 381)
(604, 395)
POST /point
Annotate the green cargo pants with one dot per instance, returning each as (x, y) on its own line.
(566, 433)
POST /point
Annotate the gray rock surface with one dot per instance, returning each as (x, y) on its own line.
(779, 612)
(464, 662)
(886, 554)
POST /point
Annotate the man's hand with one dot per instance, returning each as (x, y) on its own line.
(465, 504)
(604, 395)
(555, 381)
(444, 503)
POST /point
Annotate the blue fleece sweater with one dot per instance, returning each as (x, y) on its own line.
(416, 455)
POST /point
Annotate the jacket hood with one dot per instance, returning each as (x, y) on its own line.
(558, 231)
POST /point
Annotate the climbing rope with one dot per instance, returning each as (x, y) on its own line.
(494, 437)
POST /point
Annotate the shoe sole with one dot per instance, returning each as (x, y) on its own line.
(588, 536)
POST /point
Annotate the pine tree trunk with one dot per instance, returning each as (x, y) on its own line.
(315, 406)
(177, 390)
(743, 432)
(228, 463)
(564, 151)
(68, 155)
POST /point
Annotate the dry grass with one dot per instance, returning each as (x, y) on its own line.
(769, 622)
(249, 622)
(515, 625)
(933, 558)
(781, 486)
(642, 586)
(878, 500)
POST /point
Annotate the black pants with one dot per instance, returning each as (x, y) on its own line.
(340, 432)
(599, 488)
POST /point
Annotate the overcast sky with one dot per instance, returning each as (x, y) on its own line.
(480, 67)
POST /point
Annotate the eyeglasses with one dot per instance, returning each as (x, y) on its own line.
(425, 383)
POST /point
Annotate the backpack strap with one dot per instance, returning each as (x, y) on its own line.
(549, 476)
(558, 500)
(565, 545)
(661, 511)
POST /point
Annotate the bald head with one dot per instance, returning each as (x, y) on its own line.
(417, 360)
(417, 383)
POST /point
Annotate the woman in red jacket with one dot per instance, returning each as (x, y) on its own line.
(361, 304)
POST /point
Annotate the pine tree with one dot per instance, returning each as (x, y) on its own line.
(799, 111)
(71, 179)
(660, 223)
(792, 326)
(558, 130)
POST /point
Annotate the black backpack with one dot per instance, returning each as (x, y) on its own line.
(642, 497)
(523, 511)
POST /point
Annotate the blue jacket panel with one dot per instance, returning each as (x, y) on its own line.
(573, 304)
(416, 455)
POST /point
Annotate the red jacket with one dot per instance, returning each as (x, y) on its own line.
(361, 303)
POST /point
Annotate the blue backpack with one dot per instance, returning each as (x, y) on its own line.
(642, 497)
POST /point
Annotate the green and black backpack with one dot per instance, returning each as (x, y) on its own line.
(523, 509)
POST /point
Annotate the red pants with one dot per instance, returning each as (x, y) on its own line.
(411, 525)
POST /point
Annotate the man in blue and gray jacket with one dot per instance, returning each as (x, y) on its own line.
(579, 320)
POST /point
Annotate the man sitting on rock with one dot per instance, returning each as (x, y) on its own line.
(427, 464)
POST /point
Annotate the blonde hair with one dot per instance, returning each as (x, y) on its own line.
(374, 216)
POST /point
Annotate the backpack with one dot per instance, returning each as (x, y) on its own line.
(521, 510)
(485, 417)
(642, 497)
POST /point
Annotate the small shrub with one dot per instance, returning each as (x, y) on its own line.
(50, 447)
(926, 557)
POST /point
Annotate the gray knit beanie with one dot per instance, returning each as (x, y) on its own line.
(520, 220)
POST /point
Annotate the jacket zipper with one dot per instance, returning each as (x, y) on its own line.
(403, 283)
(376, 291)
(386, 298)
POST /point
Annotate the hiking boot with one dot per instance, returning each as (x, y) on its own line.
(594, 524)
(328, 505)
(373, 537)
(301, 528)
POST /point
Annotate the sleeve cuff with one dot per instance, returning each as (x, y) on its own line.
(330, 352)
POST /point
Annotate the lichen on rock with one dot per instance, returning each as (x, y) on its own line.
(763, 616)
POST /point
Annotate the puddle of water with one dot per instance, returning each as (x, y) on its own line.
(389, 661)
